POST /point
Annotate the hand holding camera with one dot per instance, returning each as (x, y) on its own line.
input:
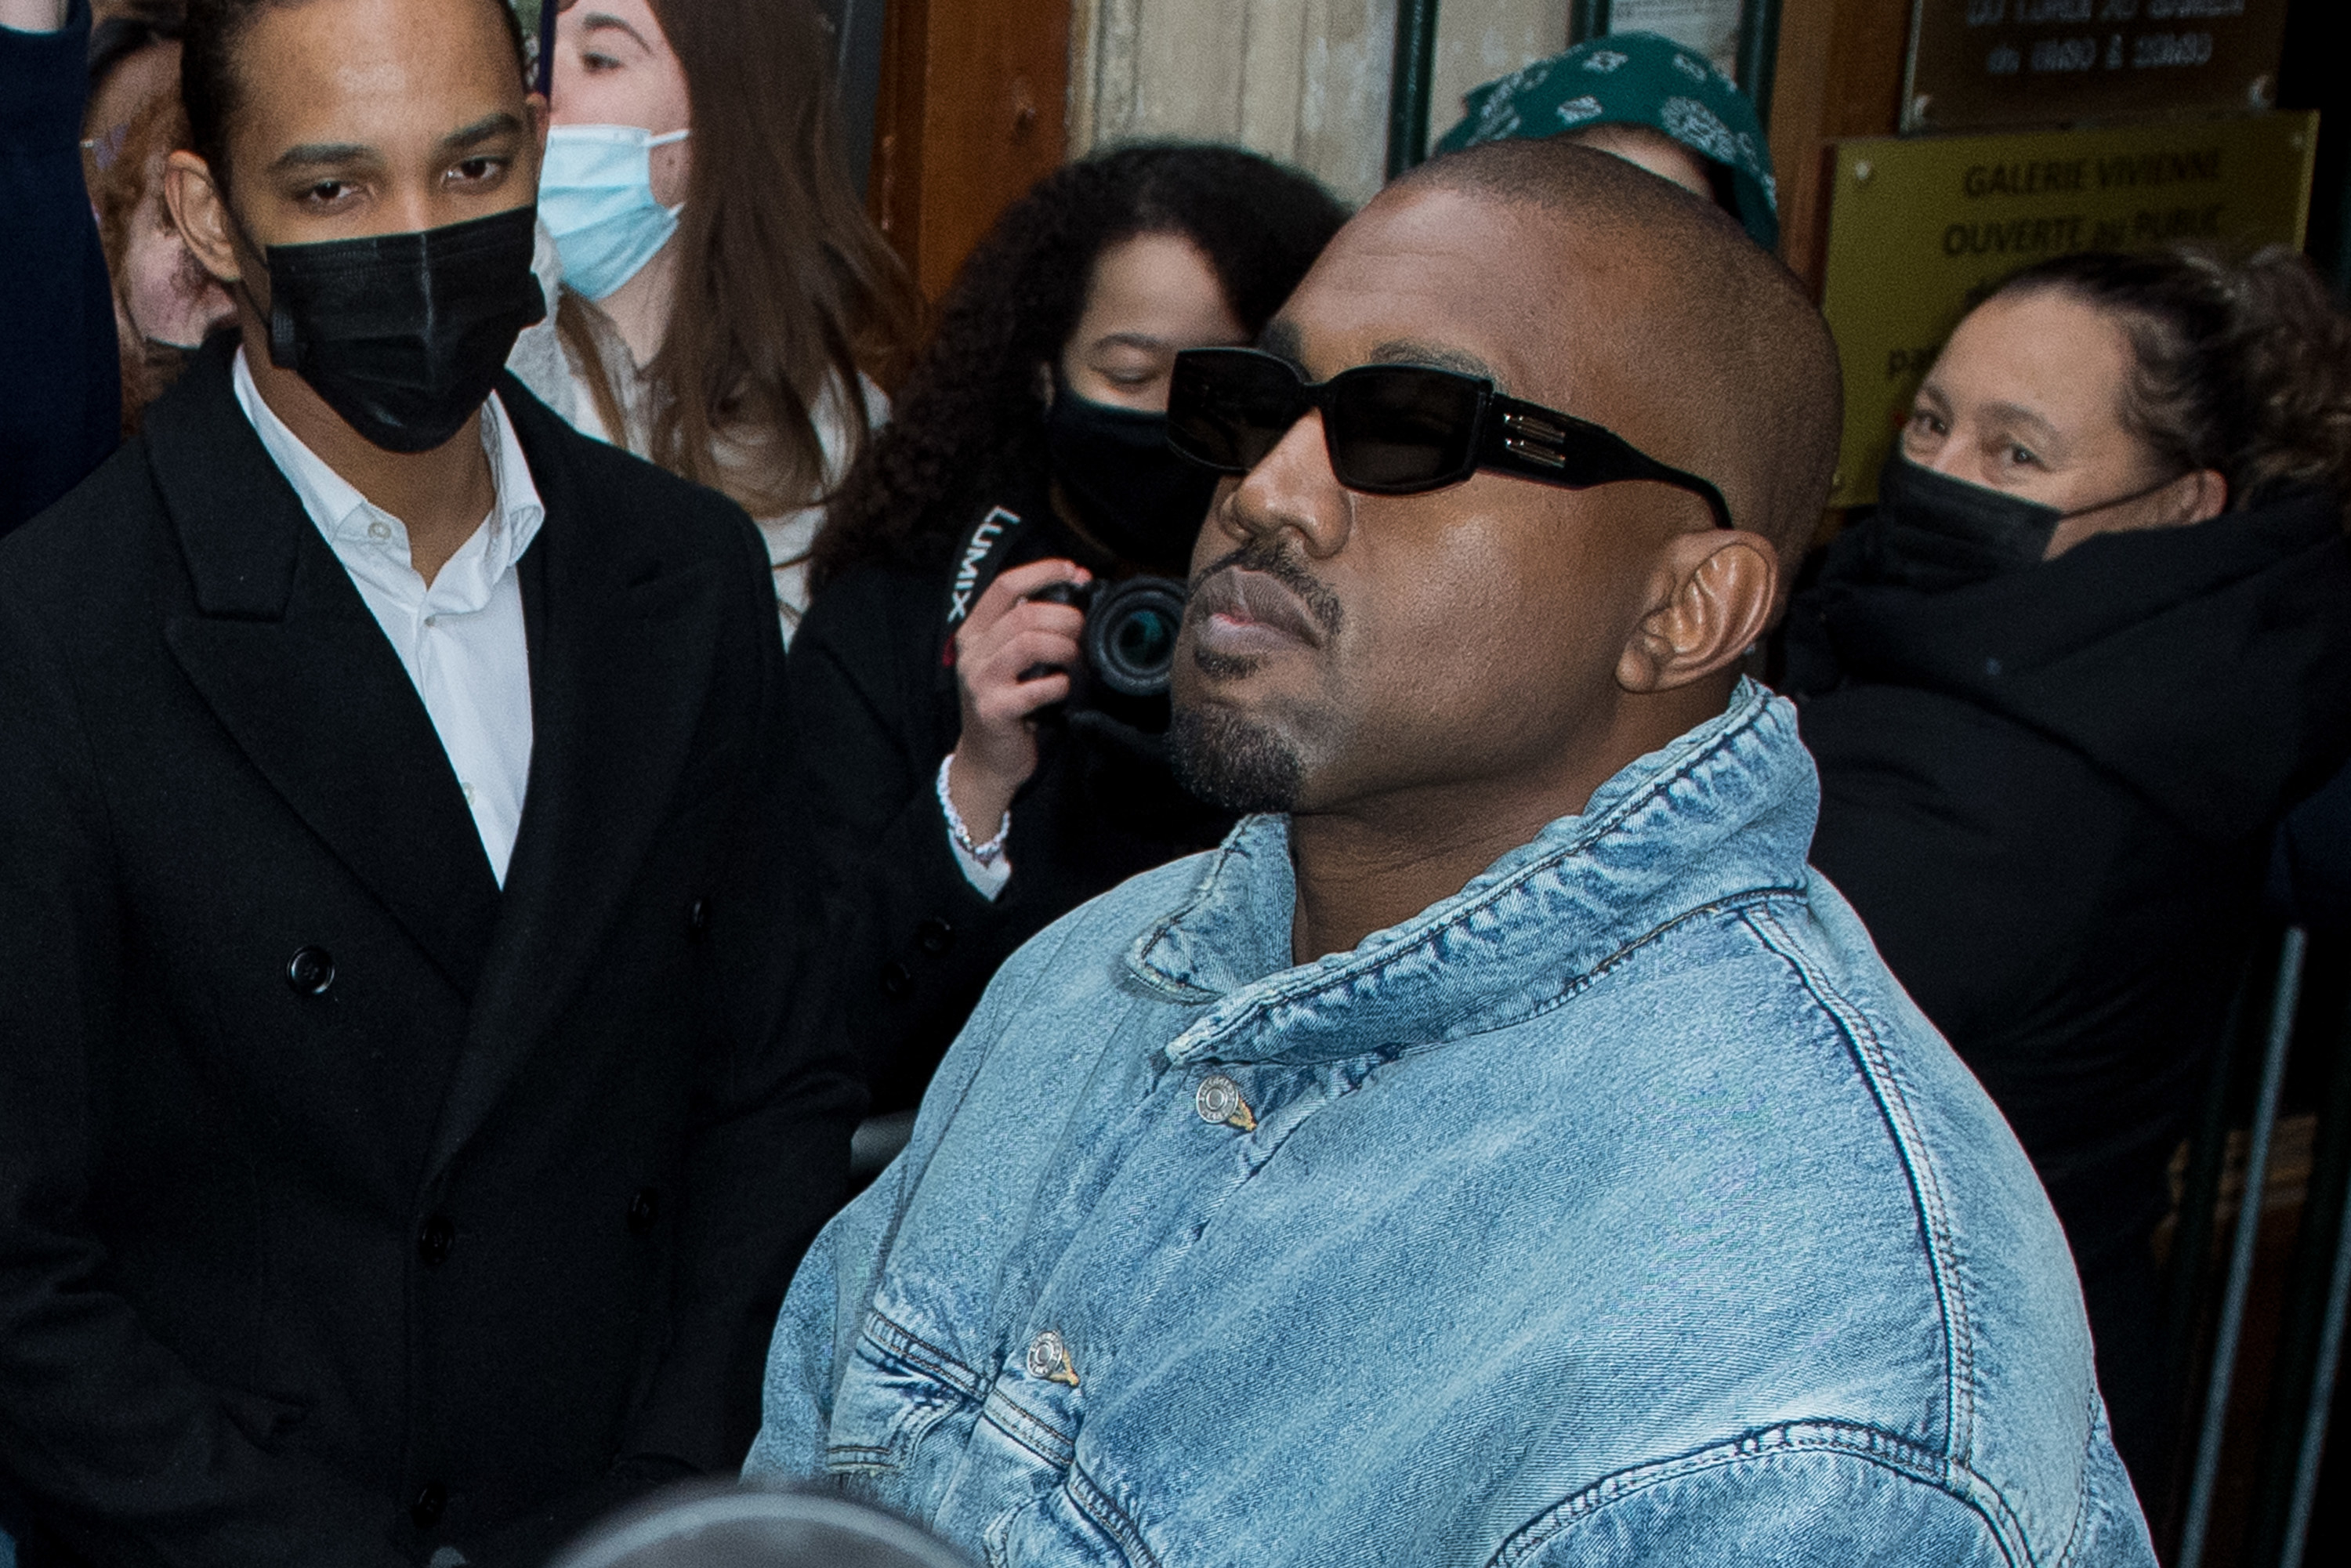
(1010, 633)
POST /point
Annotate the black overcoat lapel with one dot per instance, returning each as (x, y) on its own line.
(287, 656)
(620, 651)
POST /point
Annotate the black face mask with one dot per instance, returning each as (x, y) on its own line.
(1935, 532)
(1141, 501)
(405, 334)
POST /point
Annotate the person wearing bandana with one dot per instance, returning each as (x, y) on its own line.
(1649, 100)
(2063, 686)
(960, 780)
(409, 1117)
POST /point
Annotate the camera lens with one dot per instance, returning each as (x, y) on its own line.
(1131, 634)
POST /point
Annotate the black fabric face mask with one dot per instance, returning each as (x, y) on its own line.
(405, 334)
(1935, 532)
(1131, 492)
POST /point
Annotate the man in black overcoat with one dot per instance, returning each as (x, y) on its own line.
(406, 1133)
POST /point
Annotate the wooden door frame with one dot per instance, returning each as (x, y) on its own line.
(971, 109)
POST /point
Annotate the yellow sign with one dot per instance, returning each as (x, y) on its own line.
(1920, 230)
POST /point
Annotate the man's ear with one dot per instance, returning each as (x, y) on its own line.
(201, 213)
(1711, 598)
(536, 113)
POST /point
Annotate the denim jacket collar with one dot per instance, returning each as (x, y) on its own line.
(1724, 811)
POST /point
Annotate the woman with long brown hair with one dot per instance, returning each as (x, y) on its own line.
(728, 311)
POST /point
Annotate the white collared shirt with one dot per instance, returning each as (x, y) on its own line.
(461, 639)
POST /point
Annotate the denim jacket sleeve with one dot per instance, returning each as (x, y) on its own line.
(831, 1295)
(1813, 1495)
(820, 1316)
(1798, 1508)
(797, 1399)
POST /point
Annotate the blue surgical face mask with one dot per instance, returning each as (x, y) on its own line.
(596, 195)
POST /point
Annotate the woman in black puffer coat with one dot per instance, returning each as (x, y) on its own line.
(2062, 687)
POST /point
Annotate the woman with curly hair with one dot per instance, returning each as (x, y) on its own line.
(963, 778)
(2061, 687)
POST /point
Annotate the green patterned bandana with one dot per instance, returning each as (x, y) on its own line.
(1633, 78)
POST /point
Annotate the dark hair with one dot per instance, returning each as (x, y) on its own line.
(972, 394)
(786, 290)
(208, 82)
(139, 25)
(2243, 368)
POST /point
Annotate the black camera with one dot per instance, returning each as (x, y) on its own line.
(1130, 636)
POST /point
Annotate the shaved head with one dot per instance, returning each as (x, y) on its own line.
(1708, 323)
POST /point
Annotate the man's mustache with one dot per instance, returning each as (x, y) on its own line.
(1281, 562)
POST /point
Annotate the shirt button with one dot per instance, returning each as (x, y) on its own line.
(378, 530)
(1048, 1358)
(643, 1209)
(432, 620)
(1218, 1099)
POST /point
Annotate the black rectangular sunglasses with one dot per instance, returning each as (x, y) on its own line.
(1397, 429)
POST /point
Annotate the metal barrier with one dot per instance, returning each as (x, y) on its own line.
(2285, 995)
(2291, 1445)
(2310, 1342)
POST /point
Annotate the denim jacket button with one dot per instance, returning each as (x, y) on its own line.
(1219, 1100)
(1048, 1358)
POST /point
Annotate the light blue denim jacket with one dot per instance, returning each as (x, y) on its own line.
(1619, 1209)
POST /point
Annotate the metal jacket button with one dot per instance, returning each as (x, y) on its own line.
(311, 971)
(1048, 1358)
(1218, 1099)
(434, 1240)
(431, 1502)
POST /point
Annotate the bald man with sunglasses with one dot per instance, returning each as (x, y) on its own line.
(1504, 1149)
